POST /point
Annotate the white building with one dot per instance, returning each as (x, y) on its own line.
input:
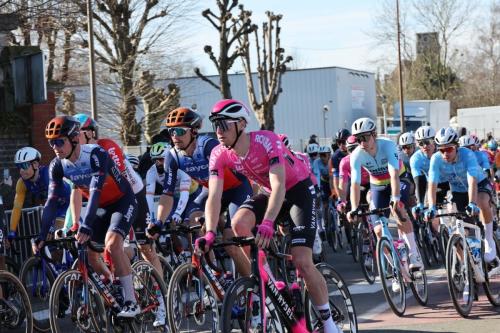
(346, 94)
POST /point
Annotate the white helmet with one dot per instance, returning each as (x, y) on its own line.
(446, 135)
(363, 125)
(466, 141)
(312, 148)
(477, 142)
(134, 160)
(27, 154)
(406, 139)
(425, 132)
(325, 149)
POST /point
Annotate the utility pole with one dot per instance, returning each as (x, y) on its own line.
(93, 97)
(400, 71)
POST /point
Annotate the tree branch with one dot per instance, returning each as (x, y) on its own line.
(206, 79)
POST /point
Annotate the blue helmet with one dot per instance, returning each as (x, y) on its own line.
(492, 144)
(86, 122)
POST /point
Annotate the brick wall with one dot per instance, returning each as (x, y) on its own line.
(41, 114)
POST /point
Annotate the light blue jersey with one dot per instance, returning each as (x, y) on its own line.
(482, 159)
(420, 163)
(378, 166)
(456, 173)
(320, 170)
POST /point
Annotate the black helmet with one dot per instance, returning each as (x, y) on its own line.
(342, 134)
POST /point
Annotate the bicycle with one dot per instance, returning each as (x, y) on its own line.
(195, 291)
(463, 269)
(393, 267)
(261, 296)
(333, 229)
(15, 307)
(430, 242)
(367, 248)
(93, 305)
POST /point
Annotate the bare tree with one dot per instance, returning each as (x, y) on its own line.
(271, 64)
(126, 31)
(230, 29)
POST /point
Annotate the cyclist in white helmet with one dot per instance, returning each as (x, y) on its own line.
(407, 146)
(312, 151)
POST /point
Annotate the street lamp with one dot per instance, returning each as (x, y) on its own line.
(90, 29)
(326, 108)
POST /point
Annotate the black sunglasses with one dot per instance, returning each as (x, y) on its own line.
(425, 142)
(223, 124)
(407, 147)
(341, 142)
(363, 137)
(178, 131)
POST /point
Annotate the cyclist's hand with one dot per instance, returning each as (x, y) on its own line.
(352, 216)
(36, 245)
(395, 205)
(416, 210)
(153, 229)
(203, 244)
(341, 206)
(430, 213)
(60, 233)
(265, 232)
(10, 237)
(472, 209)
(83, 234)
(176, 218)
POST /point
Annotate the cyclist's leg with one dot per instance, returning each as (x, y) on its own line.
(302, 198)
(443, 189)
(484, 203)
(406, 227)
(380, 198)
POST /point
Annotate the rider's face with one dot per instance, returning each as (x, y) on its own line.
(227, 133)
(61, 147)
(181, 137)
(28, 172)
(449, 153)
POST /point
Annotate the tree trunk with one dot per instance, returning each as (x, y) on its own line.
(265, 117)
(67, 55)
(51, 42)
(131, 130)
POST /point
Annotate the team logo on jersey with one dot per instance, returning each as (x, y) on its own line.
(114, 156)
(264, 141)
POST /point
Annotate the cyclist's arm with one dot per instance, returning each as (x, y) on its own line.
(393, 168)
(213, 203)
(277, 179)
(150, 187)
(76, 206)
(472, 188)
(166, 199)
(420, 188)
(317, 170)
(185, 183)
(18, 204)
(56, 190)
(355, 180)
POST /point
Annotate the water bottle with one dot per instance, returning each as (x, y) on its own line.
(297, 300)
(475, 248)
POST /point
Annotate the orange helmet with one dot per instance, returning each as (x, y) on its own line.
(62, 126)
(183, 117)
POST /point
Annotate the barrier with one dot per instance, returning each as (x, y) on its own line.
(29, 224)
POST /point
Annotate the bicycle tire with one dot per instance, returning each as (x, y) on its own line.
(331, 230)
(354, 243)
(369, 272)
(37, 299)
(11, 266)
(67, 282)
(421, 298)
(232, 318)
(492, 293)
(145, 295)
(444, 238)
(424, 251)
(167, 269)
(340, 298)
(453, 280)
(7, 277)
(384, 245)
(175, 297)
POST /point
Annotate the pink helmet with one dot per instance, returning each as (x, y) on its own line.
(229, 109)
(284, 139)
(352, 141)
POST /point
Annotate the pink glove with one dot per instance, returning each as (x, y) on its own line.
(208, 239)
(266, 229)
(341, 206)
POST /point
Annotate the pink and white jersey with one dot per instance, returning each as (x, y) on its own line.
(266, 150)
(304, 158)
(345, 171)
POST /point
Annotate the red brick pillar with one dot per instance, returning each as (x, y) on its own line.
(41, 114)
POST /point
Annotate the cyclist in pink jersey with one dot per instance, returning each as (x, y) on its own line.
(260, 156)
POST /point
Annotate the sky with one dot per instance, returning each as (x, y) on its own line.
(318, 33)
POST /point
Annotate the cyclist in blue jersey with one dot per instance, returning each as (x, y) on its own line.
(334, 164)
(407, 146)
(93, 172)
(469, 141)
(191, 154)
(312, 151)
(320, 170)
(420, 162)
(380, 158)
(470, 187)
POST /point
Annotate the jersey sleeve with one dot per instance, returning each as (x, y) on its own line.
(15, 217)
(392, 155)
(275, 150)
(56, 191)
(485, 162)
(150, 187)
(210, 144)
(355, 167)
(184, 181)
(317, 170)
(416, 166)
(335, 166)
(434, 169)
(473, 168)
(114, 151)
(217, 163)
(171, 167)
(344, 168)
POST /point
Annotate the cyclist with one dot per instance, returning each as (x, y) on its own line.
(340, 139)
(261, 156)
(312, 151)
(491, 150)
(407, 146)
(420, 162)
(94, 173)
(320, 170)
(380, 158)
(470, 187)
(191, 154)
(35, 180)
(469, 141)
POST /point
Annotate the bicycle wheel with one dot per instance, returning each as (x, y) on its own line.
(389, 269)
(341, 303)
(354, 243)
(419, 286)
(68, 308)
(167, 269)
(38, 281)
(492, 284)
(444, 237)
(242, 304)
(11, 266)
(15, 307)
(190, 308)
(331, 232)
(424, 249)
(367, 255)
(460, 281)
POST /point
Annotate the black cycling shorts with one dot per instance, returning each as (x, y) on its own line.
(443, 191)
(142, 218)
(299, 205)
(117, 217)
(461, 199)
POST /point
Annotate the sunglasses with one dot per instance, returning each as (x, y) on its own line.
(425, 142)
(56, 143)
(407, 147)
(446, 149)
(363, 137)
(341, 142)
(178, 131)
(323, 155)
(313, 154)
(351, 149)
(23, 165)
(222, 124)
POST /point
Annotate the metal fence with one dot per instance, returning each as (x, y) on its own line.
(29, 224)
